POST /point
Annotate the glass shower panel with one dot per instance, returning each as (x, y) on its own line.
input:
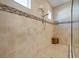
(76, 39)
(76, 28)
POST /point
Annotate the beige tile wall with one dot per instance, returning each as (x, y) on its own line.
(63, 31)
(25, 37)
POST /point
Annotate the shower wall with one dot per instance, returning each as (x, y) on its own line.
(21, 36)
(62, 14)
(24, 37)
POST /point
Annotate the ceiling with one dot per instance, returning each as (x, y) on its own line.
(55, 3)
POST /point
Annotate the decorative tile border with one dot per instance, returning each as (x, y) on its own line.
(9, 9)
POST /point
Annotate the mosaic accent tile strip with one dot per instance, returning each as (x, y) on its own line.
(9, 9)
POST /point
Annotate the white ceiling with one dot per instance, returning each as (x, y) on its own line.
(55, 3)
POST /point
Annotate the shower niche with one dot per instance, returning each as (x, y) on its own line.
(55, 40)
